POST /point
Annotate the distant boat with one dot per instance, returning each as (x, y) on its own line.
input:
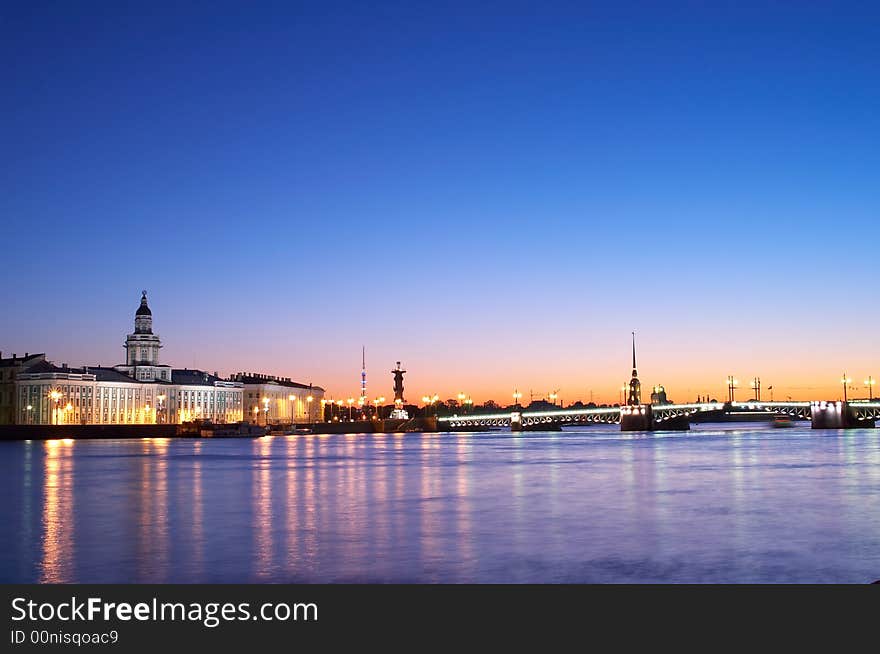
(782, 421)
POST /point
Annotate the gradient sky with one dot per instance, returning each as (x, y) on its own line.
(495, 196)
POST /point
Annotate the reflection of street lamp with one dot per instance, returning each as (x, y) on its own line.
(845, 381)
(869, 382)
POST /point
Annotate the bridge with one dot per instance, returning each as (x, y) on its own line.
(661, 417)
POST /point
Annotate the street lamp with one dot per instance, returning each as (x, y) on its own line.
(67, 409)
(731, 388)
(256, 415)
(266, 410)
(869, 382)
(461, 397)
(516, 397)
(469, 404)
(30, 414)
(756, 386)
(291, 404)
(553, 397)
(310, 399)
(160, 413)
(623, 390)
(350, 403)
(845, 381)
(55, 395)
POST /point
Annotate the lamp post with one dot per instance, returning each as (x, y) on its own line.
(845, 381)
(309, 400)
(869, 382)
(291, 404)
(469, 405)
(266, 410)
(67, 409)
(160, 410)
(461, 397)
(553, 397)
(516, 397)
(731, 388)
(756, 386)
(30, 414)
(350, 403)
(623, 390)
(56, 396)
(256, 415)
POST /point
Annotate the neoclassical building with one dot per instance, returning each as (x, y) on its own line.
(141, 391)
(270, 399)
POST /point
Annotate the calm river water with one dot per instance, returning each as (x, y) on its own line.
(711, 505)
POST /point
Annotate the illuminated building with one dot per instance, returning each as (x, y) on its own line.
(10, 368)
(141, 391)
(272, 399)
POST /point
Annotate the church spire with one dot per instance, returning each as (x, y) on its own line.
(635, 374)
(635, 386)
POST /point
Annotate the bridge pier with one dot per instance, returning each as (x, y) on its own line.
(516, 421)
(641, 418)
(636, 418)
(836, 415)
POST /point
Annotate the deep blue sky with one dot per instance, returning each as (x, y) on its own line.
(486, 185)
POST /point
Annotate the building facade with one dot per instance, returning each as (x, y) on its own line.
(10, 368)
(278, 400)
(141, 391)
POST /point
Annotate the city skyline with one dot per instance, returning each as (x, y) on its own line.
(601, 392)
(497, 198)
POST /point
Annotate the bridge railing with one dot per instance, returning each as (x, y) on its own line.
(474, 416)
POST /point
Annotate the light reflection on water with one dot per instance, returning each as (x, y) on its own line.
(740, 505)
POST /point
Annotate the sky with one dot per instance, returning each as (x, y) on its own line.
(495, 194)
